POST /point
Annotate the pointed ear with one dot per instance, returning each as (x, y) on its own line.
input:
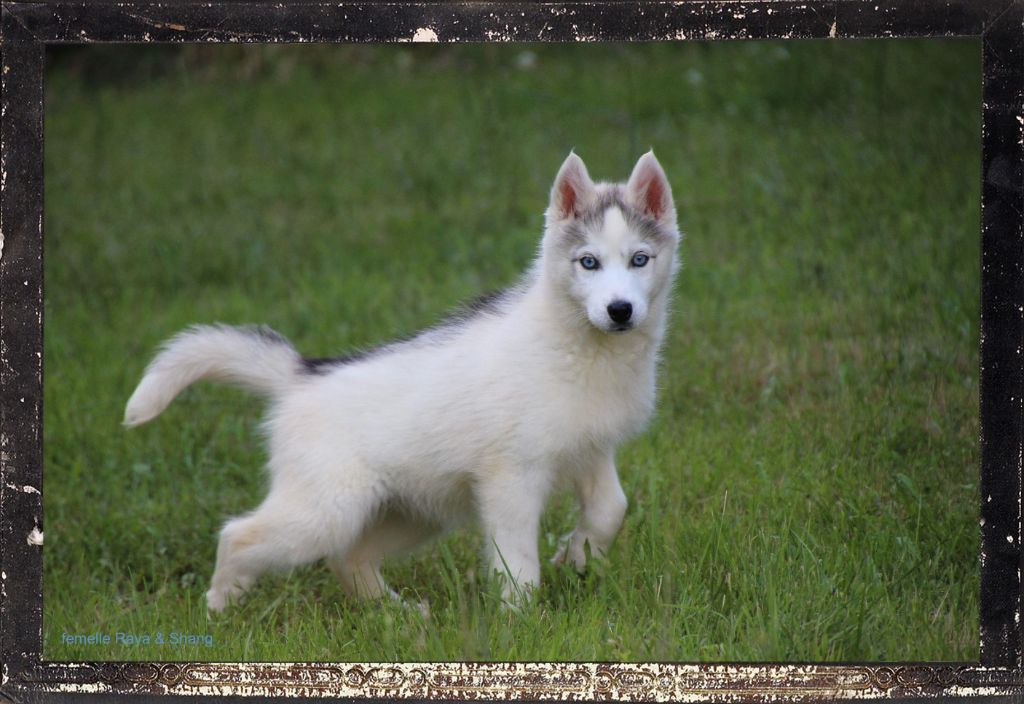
(648, 189)
(573, 190)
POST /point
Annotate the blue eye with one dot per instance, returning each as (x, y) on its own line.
(588, 262)
(640, 259)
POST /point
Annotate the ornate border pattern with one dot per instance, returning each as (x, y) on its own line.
(530, 681)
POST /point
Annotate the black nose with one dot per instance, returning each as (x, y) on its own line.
(620, 311)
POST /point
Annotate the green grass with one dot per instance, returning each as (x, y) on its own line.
(808, 487)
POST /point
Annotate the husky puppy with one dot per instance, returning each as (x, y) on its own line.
(483, 416)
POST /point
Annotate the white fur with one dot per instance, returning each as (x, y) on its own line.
(211, 352)
(483, 418)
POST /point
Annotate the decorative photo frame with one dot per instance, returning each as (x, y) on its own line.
(26, 28)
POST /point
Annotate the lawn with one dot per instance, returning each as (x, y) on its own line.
(808, 488)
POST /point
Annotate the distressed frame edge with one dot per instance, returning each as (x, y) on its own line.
(1001, 373)
(21, 179)
(80, 21)
(23, 671)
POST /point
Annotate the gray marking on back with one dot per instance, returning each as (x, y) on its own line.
(456, 320)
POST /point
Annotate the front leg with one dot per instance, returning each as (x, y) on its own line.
(510, 506)
(602, 508)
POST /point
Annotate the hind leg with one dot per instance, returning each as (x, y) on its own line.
(358, 569)
(269, 538)
(283, 533)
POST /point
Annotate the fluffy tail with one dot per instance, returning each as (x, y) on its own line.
(256, 358)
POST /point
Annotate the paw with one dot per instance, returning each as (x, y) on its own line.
(514, 594)
(218, 599)
(215, 601)
(421, 606)
(571, 549)
(516, 597)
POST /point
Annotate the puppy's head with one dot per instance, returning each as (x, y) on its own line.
(611, 247)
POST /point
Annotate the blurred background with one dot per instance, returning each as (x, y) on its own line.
(808, 487)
